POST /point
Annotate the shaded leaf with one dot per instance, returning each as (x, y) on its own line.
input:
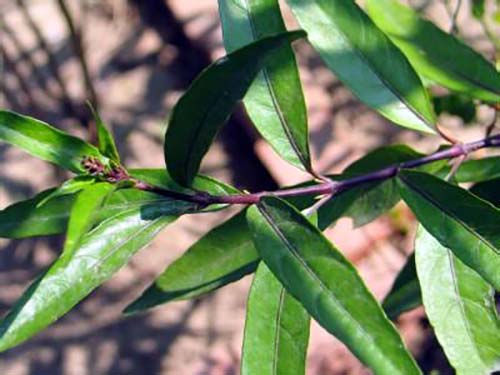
(436, 54)
(460, 306)
(456, 105)
(202, 110)
(328, 286)
(76, 273)
(105, 139)
(366, 61)
(405, 292)
(47, 143)
(460, 221)
(488, 190)
(276, 329)
(223, 255)
(275, 101)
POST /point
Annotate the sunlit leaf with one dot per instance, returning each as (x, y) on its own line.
(328, 286)
(275, 101)
(276, 329)
(366, 61)
(460, 306)
(459, 220)
(47, 143)
(106, 142)
(435, 54)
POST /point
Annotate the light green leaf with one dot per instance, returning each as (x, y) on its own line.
(28, 218)
(32, 218)
(203, 109)
(366, 61)
(105, 139)
(435, 54)
(276, 329)
(84, 213)
(223, 255)
(405, 292)
(47, 143)
(100, 253)
(327, 285)
(275, 101)
(68, 187)
(460, 306)
(465, 224)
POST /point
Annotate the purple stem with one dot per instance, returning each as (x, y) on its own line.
(329, 187)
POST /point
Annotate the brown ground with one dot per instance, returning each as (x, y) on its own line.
(139, 68)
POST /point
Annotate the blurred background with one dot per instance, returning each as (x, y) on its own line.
(133, 59)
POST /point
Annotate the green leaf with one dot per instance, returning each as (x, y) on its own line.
(479, 170)
(488, 190)
(83, 213)
(203, 109)
(366, 202)
(71, 186)
(435, 54)
(47, 143)
(328, 286)
(31, 218)
(100, 253)
(107, 144)
(460, 306)
(275, 101)
(405, 292)
(478, 8)
(28, 218)
(456, 105)
(460, 221)
(276, 329)
(366, 61)
(223, 255)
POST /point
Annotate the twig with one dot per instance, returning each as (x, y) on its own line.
(330, 188)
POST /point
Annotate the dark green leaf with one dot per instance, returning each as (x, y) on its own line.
(275, 101)
(488, 190)
(328, 286)
(100, 253)
(203, 109)
(223, 255)
(107, 144)
(230, 245)
(478, 8)
(467, 225)
(366, 61)
(366, 202)
(435, 54)
(47, 143)
(84, 213)
(276, 329)
(405, 292)
(31, 218)
(460, 306)
(456, 105)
